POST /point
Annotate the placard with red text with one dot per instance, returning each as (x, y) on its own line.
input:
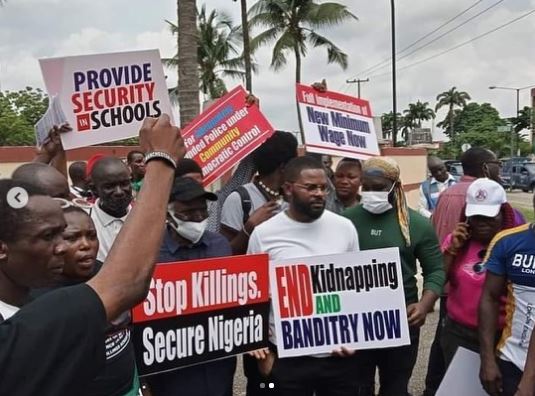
(106, 97)
(202, 310)
(224, 134)
(336, 124)
(354, 300)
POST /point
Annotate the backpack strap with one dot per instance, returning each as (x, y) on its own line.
(246, 203)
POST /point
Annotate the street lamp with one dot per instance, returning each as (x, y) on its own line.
(394, 95)
(517, 107)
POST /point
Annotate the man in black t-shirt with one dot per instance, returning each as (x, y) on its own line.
(55, 344)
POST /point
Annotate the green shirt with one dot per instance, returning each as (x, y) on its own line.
(383, 231)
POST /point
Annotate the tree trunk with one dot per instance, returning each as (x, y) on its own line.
(246, 47)
(451, 122)
(188, 67)
(298, 80)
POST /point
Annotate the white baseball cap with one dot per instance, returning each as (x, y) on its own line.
(484, 197)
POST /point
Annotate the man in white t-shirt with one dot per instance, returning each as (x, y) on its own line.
(306, 229)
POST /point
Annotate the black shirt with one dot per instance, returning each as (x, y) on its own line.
(53, 346)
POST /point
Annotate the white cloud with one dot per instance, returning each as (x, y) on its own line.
(31, 29)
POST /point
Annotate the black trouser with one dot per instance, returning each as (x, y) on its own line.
(304, 376)
(455, 335)
(511, 376)
(395, 368)
(315, 376)
(256, 383)
(435, 366)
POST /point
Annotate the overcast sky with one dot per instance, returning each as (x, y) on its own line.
(33, 29)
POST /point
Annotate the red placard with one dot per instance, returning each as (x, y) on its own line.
(225, 134)
(190, 287)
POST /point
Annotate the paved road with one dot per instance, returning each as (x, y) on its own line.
(418, 376)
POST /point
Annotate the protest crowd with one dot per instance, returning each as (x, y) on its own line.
(123, 277)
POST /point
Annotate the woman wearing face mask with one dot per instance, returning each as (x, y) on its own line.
(186, 238)
(383, 220)
(487, 213)
(119, 376)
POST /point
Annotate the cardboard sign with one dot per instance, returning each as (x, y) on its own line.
(336, 124)
(202, 310)
(225, 134)
(106, 97)
(462, 376)
(351, 299)
(53, 116)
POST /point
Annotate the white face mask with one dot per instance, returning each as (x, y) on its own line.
(376, 202)
(190, 230)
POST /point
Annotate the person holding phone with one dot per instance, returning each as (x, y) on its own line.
(487, 213)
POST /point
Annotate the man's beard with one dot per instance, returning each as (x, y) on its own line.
(306, 208)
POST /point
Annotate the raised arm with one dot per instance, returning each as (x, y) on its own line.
(125, 275)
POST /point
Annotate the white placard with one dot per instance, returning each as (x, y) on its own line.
(462, 376)
(106, 97)
(336, 124)
(352, 299)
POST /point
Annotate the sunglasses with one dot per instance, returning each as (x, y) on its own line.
(479, 267)
(76, 203)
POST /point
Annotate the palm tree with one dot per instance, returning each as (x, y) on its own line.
(451, 98)
(387, 120)
(418, 112)
(188, 76)
(293, 25)
(217, 53)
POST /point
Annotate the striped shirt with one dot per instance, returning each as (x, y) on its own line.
(512, 255)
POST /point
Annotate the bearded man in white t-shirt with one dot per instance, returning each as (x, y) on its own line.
(306, 229)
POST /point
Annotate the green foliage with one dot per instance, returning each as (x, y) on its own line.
(218, 51)
(387, 122)
(293, 25)
(451, 99)
(477, 125)
(19, 111)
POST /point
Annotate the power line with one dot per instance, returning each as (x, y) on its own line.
(423, 37)
(443, 34)
(447, 32)
(460, 45)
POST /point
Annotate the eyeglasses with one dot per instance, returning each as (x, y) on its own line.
(323, 188)
(76, 202)
(194, 215)
(495, 162)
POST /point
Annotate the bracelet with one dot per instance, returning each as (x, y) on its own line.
(160, 155)
(451, 252)
(245, 232)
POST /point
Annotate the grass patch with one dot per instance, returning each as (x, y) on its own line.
(528, 214)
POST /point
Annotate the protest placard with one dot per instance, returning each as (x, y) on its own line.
(202, 310)
(462, 376)
(225, 134)
(106, 97)
(352, 299)
(336, 124)
(53, 116)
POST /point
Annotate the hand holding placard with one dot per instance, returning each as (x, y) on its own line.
(157, 134)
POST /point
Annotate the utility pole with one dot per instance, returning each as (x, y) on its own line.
(357, 81)
(394, 89)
